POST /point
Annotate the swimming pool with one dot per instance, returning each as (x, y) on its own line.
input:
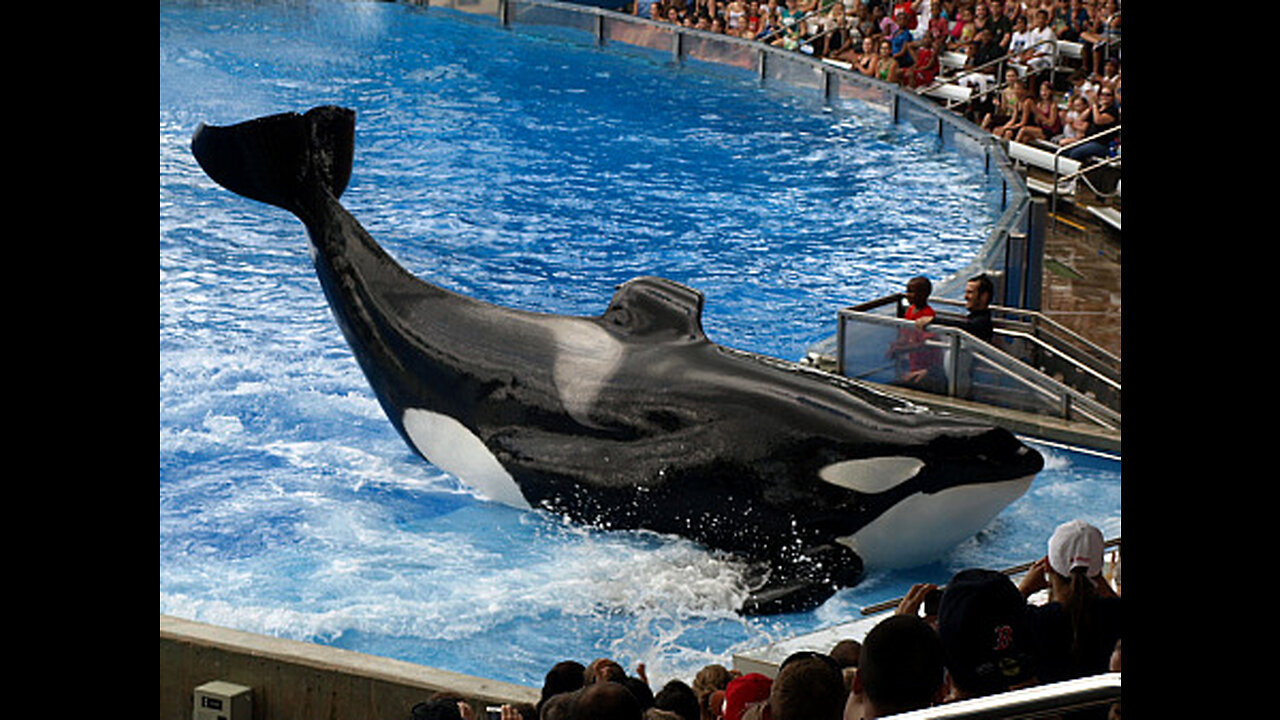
(551, 172)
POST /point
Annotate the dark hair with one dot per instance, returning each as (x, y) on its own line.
(985, 286)
(923, 282)
(1078, 605)
(680, 699)
(809, 686)
(901, 664)
(564, 676)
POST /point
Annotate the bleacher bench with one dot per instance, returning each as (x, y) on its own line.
(950, 93)
(1044, 160)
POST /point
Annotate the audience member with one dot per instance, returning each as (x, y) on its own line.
(1078, 628)
(1041, 41)
(440, 706)
(886, 64)
(565, 676)
(983, 52)
(709, 681)
(1103, 114)
(604, 669)
(809, 686)
(900, 669)
(921, 601)
(744, 692)
(983, 626)
(1016, 42)
(605, 700)
(1045, 122)
(1023, 112)
(846, 653)
(678, 698)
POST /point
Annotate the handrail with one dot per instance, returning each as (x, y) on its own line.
(1068, 401)
(1035, 701)
(1035, 320)
(1018, 569)
(1053, 196)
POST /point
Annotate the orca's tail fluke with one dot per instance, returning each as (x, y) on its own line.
(281, 159)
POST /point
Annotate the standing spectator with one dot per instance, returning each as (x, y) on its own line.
(809, 686)
(986, 640)
(1077, 630)
(900, 670)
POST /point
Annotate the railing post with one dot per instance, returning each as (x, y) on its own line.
(953, 377)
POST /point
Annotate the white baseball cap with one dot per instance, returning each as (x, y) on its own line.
(1076, 544)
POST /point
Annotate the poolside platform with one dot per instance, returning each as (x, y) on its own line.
(1082, 276)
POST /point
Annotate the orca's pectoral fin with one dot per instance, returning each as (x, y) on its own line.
(804, 581)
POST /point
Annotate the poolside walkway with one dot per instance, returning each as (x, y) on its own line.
(1082, 277)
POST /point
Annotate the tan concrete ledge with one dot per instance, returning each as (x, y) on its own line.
(293, 679)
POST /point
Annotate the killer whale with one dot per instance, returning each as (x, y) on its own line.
(633, 419)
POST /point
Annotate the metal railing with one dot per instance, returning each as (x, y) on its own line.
(1024, 368)
(1083, 172)
(1038, 701)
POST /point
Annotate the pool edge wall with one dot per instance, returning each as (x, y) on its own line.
(293, 679)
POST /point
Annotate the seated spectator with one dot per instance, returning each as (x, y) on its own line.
(900, 669)
(809, 686)
(1023, 112)
(1016, 41)
(1103, 115)
(1040, 43)
(1045, 121)
(1078, 628)
(982, 52)
(986, 641)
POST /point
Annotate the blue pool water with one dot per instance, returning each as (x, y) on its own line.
(540, 174)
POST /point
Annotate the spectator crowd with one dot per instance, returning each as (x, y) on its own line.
(979, 635)
(904, 42)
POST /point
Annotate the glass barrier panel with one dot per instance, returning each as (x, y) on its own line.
(549, 16)
(488, 8)
(847, 88)
(711, 49)
(639, 34)
(779, 67)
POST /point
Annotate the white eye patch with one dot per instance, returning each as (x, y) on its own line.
(871, 475)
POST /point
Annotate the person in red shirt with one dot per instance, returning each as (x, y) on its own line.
(923, 363)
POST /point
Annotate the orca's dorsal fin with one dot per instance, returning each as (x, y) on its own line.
(653, 305)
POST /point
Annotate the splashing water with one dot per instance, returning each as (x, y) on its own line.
(538, 174)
